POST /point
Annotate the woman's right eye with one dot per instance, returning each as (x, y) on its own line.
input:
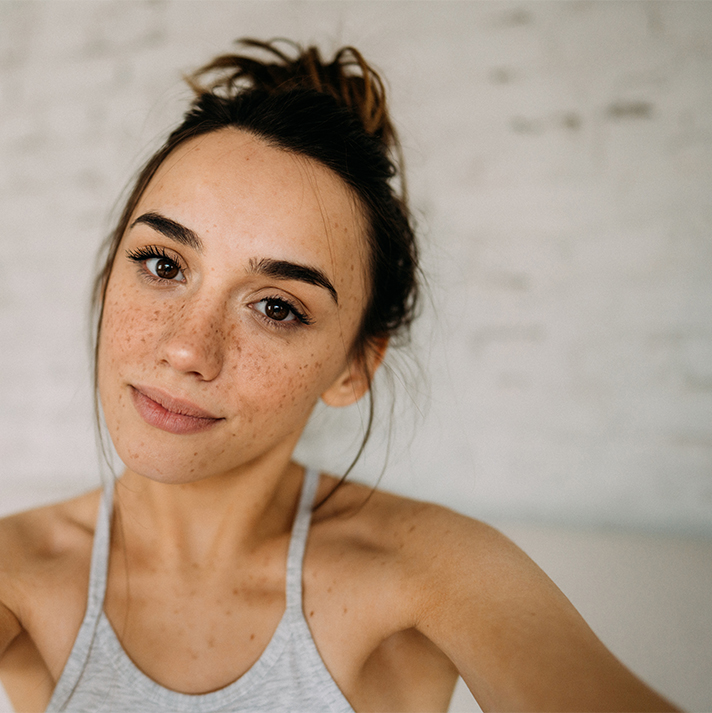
(163, 267)
(157, 265)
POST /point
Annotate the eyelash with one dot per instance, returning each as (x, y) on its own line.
(150, 252)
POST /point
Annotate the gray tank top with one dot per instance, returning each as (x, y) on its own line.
(289, 676)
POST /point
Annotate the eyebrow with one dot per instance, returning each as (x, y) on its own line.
(171, 229)
(285, 270)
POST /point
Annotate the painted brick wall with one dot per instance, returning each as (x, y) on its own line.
(560, 164)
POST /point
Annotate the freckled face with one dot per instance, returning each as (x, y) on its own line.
(236, 293)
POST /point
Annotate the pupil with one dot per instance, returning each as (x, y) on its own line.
(276, 310)
(166, 268)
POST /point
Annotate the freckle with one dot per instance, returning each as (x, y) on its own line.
(234, 591)
(328, 589)
(345, 610)
(252, 636)
(311, 613)
(196, 453)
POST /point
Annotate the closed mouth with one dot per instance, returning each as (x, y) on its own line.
(169, 413)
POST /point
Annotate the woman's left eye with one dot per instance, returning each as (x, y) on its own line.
(279, 310)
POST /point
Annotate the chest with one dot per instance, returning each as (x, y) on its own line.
(198, 631)
(201, 630)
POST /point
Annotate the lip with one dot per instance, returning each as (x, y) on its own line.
(161, 410)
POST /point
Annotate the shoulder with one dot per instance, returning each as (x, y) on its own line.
(434, 553)
(421, 530)
(41, 546)
(449, 576)
(452, 571)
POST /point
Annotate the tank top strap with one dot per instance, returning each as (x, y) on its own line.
(298, 541)
(100, 553)
(95, 602)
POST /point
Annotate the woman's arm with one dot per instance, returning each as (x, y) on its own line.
(9, 628)
(516, 640)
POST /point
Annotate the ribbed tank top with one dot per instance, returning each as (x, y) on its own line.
(289, 676)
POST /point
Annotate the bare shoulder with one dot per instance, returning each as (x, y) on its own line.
(50, 530)
(431, 538)
(437, 559)
(42, 545)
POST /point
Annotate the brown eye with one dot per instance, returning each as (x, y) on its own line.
(158, 265)
(161, 267)
(280, 313)
(166, 268)
(276, 310)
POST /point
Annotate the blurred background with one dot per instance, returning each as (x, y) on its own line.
(559, 381)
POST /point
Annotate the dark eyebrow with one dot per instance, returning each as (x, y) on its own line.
(171, 229)
(285, 270)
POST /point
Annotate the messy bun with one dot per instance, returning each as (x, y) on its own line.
(334, 113)
(347, 78)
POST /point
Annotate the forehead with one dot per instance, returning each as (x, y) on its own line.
(249, 199)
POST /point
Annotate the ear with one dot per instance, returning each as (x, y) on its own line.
(356, 378)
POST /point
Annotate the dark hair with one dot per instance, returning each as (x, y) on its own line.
(333, 113)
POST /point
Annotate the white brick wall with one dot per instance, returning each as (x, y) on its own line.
(560, 162)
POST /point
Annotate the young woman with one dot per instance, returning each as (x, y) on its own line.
(263, 262)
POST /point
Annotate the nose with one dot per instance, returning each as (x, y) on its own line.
(193, 339)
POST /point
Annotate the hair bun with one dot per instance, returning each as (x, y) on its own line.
(348, 78)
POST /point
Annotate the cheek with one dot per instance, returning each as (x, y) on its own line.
(125, 330)
(272, 382)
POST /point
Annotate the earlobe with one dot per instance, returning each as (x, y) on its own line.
(356, 379)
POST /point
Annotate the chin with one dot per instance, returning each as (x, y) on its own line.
(177, 473)
(163, 461)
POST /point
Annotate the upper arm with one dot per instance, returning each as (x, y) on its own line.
(9, 628)
(516, 640)
(9, 623)
(16, 555)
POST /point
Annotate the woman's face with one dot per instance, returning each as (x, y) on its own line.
(233, 302)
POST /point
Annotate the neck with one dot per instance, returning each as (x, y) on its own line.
(202, 520)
